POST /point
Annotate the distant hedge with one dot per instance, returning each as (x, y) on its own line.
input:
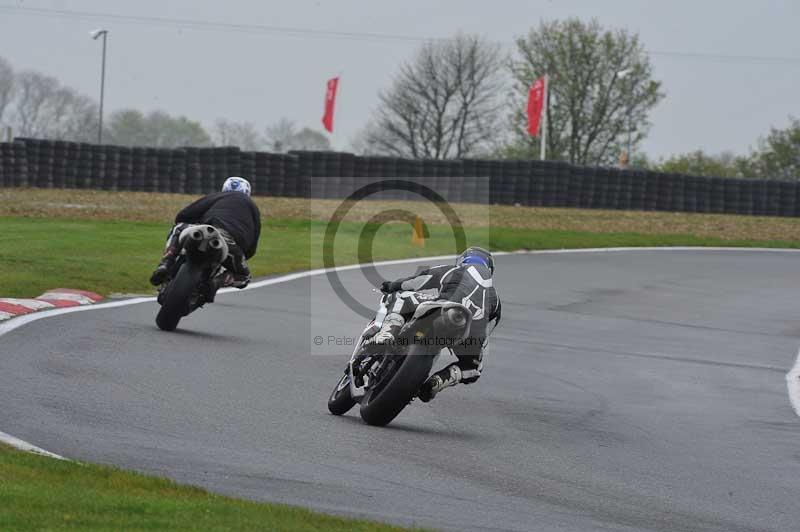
(56, 164)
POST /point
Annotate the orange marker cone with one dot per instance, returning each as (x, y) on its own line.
(418, 236)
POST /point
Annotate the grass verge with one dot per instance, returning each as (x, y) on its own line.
(39, 493)
(105, 256)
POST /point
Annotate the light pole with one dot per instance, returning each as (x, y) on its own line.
(95, 34)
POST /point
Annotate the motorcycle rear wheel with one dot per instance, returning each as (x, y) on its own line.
(381, 408)
(175, 300)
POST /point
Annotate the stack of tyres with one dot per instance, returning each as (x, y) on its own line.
(626, 178)
(125, 168)
(536, 187)
(247, 169)
(291, 165)
(98, 168)
(4, 158)
(194, 175)
(177, 171)
(403, 169)
(588, 186)
(788, 194)
(797, 201)
(563, 171)
(638, 189)
(139, 156)
(31, 148)
(664, 201)
(576, 186)
(745, 197)
(454, 185)
(361, 172)
(152, 178)
(651, 190)
(347, 173)
(703, 185)
(469, 176)
(773, 198)
(233, 163)
(261, 173)
(207, 171)
(276, 183)
(522, 186)
(71, 173)
(47, 162)
(59, 165)
(111, 168)
(678, 192)
(787, 202)
(717, 194)
(85, 161)
(294, 186)
(550, 181)
(731, 195)
(614, 196)
(601, 192)
(689, 193)
(759, 189)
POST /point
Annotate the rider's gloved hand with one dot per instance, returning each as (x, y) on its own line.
(390, 286)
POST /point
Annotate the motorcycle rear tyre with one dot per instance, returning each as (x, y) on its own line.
(175, 303)
(399, 391)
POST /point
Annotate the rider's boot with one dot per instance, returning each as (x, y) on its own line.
(241, 277)
(171, 251)
(392, 324)
(449, 376)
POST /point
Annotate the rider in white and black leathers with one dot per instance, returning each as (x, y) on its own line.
(469, 282)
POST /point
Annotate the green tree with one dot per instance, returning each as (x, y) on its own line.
(778, 155)
(601, 83)
(157, 129)
(700, 163)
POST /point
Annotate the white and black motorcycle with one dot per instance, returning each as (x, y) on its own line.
(385, 378)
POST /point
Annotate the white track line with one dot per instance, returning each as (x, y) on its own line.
(793, 377)
(793, 385)
(25, 446)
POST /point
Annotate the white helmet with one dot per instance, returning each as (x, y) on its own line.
(236, 184)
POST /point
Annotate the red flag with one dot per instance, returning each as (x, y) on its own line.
(330, 101)
(535, 106)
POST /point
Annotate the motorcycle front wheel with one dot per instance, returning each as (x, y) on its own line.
(341, 401)
(176, 297)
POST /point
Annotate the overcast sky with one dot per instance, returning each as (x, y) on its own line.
(206, 73)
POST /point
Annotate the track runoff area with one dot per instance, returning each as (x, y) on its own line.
(625, 389)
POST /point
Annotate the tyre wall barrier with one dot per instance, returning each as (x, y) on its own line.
(29, 162)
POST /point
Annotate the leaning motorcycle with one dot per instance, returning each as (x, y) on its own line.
(383, 379)
(203, 249)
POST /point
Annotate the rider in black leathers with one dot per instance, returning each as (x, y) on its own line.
(469, 282)
(237, 217)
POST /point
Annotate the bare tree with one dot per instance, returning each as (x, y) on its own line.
(444, 103)
(241, 134)
(6, 86)
(309, 139)
(592, 105)
(279, 135)
(43, 108)
(283, 136)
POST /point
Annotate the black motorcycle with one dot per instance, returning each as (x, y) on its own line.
(195, 275)
(385, 378)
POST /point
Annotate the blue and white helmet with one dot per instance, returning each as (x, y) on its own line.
(236, 184)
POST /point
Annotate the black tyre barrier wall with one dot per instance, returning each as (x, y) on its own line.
(28, 162)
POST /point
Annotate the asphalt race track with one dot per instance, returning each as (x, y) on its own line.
(626, 390)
